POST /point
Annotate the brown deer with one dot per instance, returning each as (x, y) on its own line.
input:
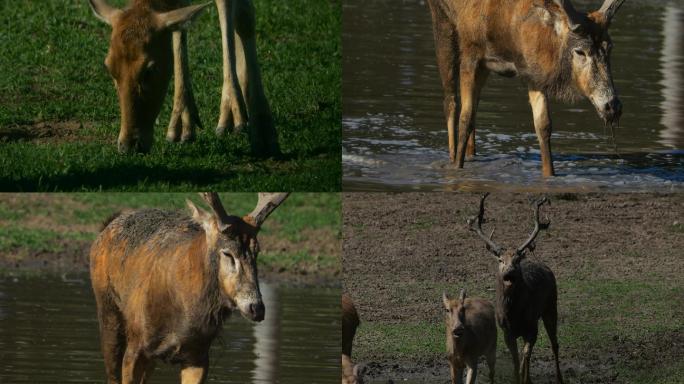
(351, 374)
(149, 42)
(470, 333)
(164, 282)
(557, 51)
(525, 291)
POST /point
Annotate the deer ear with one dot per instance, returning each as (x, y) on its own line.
(200, 216)
(104, 11)
(462, 297)
(446, 300)
(179, 19)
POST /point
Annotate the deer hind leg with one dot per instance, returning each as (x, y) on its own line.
(446, 48)
(184, 117)
(527, 356)
(512, 345)
(551, 323)
(472, 79)
(542, 126)
(233, 111)
(263, 137)
(112, 339)
(491, 363)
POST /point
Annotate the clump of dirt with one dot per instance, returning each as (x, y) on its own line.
(401, 250)
(45, 131)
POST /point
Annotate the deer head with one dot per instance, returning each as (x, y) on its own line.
(455, 315)
(508, 259)
(232, 242)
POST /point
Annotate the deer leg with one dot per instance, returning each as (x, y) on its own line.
(263, 137)
(446, 48)
(134, 366)
(527, 356)
(113, 341)
(551, 323)
(194, 373)
(491, 363)
(471, 372)
(542, 126)
(456, 371)
(472, 79)
(512, 345)
(184, 116)
(233, 111)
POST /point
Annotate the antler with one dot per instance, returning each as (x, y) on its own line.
(491, 246)
(538, 226)
(212, 198)
(610, 7)
(267, 203)
(574, 22)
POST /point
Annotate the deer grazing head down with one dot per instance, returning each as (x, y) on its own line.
(233, 242)
(140, 61)
(587, 51)
(508, 259)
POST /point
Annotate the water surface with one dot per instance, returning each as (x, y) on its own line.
(48, 334)
(395, 134)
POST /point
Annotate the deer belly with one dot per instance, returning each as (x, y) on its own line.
(501, 67)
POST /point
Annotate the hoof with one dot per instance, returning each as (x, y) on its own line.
(190, 137)
(239, 128)
(172, 138)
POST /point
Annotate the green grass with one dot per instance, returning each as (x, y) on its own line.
(46, 222)
(52, 58)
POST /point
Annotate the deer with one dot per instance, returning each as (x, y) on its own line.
(164, 283)
(470, 333)
(148, 44)
(525, 292)
(557, 51)
(351, 374)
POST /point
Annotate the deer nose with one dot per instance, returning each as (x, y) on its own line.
(257, 311)
(613, 109)
(458, 332)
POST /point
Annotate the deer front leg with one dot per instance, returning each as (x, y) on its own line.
(233, 111)
(134, 367)
(184, 117)
(542, 125)
(472, 373)
(456, 372)
(527, 356)
(194, 373)
(512, 345)
(472, 79)
(263, 137)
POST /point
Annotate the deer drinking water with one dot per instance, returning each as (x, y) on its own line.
(470, 333)
(149, 42)
(164, 282)
(525, 291)
(557, 51)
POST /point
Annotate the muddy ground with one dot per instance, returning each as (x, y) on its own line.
(400, 251)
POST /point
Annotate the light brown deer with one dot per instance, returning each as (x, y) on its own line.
(149, 42)
(351, 374)
(470, 333)
(525, 291)
(557, 51)
(164, 282)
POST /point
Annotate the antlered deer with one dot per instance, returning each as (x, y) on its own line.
(470, 333)
(164, 282)
(149, 42)
(557, 51)
(351, 374)
(525, 292)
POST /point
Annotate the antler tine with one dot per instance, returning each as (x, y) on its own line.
(610, 8)
(266, 204)
(538, 226)
(212, 198)
(491, 246)
(570, 11)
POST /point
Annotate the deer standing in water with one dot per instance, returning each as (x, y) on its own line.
(164, 282)
(351, 374)
(149, 42)
(525, 291)
(557, 51)
(470, 333)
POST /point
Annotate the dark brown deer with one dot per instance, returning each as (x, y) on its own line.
(149, 43)
(470, 333)
(165, 281)
(557, 51)
(351, 374)
(525, 291)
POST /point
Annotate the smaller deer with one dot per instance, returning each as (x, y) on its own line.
(525, 291)
(351, 374)
(470, 333)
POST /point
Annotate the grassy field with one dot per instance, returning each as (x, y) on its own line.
(616, 259)
(54, 231)
(59, 115)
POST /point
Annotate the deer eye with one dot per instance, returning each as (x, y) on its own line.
(230, 260)
(580, 52)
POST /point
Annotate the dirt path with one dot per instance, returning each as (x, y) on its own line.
(401, 250)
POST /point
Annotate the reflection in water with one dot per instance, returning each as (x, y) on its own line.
(673, 77)
(48, 334)
(395, 134)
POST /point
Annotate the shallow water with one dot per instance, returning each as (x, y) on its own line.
(48, 334)
(395, 134)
